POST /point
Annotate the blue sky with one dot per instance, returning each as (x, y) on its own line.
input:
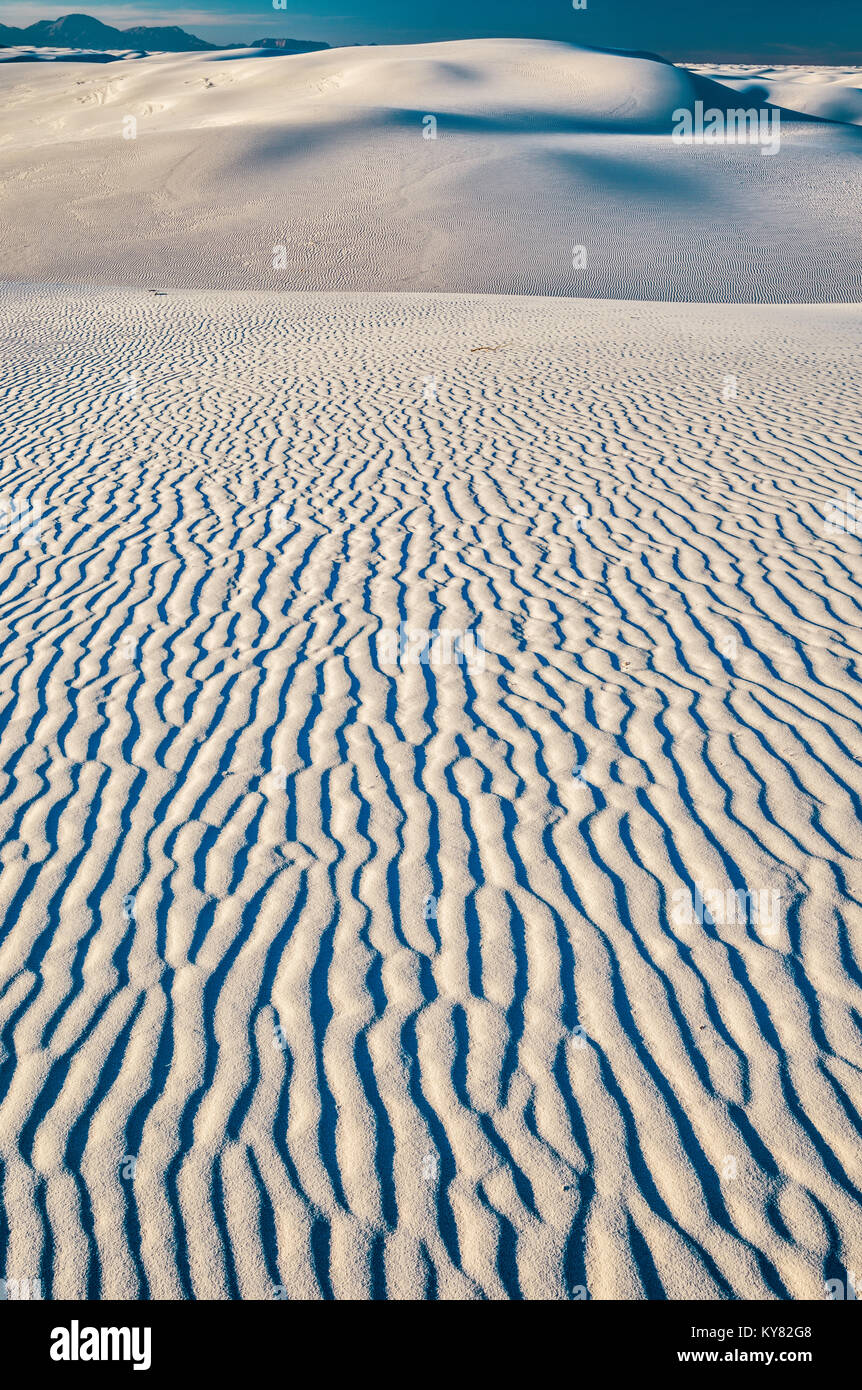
(800, 30)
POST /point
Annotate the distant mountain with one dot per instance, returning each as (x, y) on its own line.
(10, 38)
(82, 31)
(169, 39)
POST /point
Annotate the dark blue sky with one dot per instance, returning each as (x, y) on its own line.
(755, 30)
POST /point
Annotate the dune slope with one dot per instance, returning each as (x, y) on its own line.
(469, 166)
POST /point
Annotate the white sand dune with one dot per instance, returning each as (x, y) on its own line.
(831, 94)
(539, 148)
(374, 970)
(26, 53)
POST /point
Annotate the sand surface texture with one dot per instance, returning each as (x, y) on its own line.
(331, 973)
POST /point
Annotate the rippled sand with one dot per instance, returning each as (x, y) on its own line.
(327, 975)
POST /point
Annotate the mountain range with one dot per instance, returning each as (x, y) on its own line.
(82, 31)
